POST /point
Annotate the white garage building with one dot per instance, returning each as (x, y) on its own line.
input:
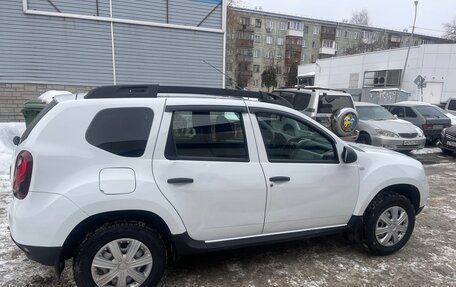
(361, 73)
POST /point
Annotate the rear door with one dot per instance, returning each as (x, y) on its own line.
(206, 164)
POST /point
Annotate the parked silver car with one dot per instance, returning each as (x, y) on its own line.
(379, 127)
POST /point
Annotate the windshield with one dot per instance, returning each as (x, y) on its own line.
(330, 103)
(374, 113)
(430, 112)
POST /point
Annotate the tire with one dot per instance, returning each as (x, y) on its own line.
(432, 141)
(148, 244)
(385, 204)
(447, 151)
(364, 138)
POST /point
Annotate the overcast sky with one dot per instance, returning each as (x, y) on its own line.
(392, 14)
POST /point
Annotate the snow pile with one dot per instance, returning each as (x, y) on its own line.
(427, 150)
(7, 132)
(49, 95)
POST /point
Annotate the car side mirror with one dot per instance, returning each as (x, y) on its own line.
(395, 117)
(349, 155)
(16, 140)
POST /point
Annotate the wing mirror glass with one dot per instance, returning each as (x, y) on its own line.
(349, 155)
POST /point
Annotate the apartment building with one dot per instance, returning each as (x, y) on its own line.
(258, 40)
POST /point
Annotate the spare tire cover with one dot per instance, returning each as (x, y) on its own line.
(344, 121)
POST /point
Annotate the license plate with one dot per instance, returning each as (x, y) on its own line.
(438, 127)
(453, 144)
(411, 142)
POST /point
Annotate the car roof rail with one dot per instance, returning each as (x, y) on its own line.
(151, 91)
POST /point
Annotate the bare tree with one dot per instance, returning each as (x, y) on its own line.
(360, 17)
(450, 30)
(238, 3)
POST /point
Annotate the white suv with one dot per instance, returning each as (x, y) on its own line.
(132, 176)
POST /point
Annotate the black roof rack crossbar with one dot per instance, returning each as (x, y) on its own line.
(151, 91)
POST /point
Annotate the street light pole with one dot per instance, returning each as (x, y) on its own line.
(409, 45)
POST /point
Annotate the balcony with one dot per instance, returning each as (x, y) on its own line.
(294, 33)
(327, 51)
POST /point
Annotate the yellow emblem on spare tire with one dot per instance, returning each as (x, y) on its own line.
(344, 121)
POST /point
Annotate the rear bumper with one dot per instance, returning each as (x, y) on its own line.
(45, 255)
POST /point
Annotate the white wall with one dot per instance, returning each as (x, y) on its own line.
(436, 63)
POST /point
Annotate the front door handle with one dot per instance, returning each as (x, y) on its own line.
(279, 178)
(180, 180)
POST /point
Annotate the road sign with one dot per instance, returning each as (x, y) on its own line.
(419, 81)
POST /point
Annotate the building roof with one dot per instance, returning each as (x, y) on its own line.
(329, 22)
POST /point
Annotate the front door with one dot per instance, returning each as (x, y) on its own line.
(207, 166)
(307, 185)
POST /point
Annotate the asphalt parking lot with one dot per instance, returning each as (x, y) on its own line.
(429, 258)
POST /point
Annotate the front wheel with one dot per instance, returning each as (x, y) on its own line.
(388, 223)
(120, 254)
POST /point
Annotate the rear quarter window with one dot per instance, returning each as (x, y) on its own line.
(331, 103)
(38, 117)
(121, 131)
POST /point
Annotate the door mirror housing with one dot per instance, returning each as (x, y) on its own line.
(395, 117)
(349, 155)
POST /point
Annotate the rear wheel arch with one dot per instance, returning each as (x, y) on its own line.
(78, 234)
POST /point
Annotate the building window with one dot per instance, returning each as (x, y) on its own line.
(306, 29)
(304, 43)
(338, 32)
(245, 21)
(356, 35)
(229, 67)
(258, 23)
(283, 26)
(256, 68)
(269, 24)
(279, 70)
(245, 35)
(279, 55)
(347, 34)
(336, 46)
(257, 38)
(256, 53)
(255, 83)
(269, 40)
(423, 42)
(280, 41)
(396, 39)
(316, 30)
(293, 25)
(314, 45)
(327, 43)
(313, 58)
(303, 57)
(270, 55)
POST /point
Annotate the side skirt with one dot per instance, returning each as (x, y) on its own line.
(185, 245)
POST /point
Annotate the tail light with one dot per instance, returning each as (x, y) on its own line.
(22, 174)
(426, 127)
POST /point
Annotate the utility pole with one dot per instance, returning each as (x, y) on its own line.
(409, 45)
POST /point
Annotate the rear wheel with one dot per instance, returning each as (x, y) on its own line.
(364, 138)
(388, 223)
(447, 151)
(120, 254)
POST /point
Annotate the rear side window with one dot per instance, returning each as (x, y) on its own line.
(121, 131)
(207, 136)
(409, 113)
(429, 112)
(300, 101)
(328, 104)
(38, 117)
(452, 105)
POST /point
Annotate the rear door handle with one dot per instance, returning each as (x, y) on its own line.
(180, 180)
(279, 178)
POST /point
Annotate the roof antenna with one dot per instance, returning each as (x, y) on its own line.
(235, 83)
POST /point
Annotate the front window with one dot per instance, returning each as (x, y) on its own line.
(287, 139)
(374, 113)
(331, 103)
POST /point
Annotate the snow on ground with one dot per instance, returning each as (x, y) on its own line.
(427, 150)
(7, 132)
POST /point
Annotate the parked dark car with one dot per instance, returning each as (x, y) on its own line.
(448, 140)
(423, 115)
